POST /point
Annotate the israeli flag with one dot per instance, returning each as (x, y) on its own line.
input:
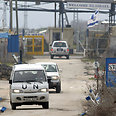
(93, 20)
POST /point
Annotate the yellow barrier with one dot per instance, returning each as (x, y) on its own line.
(35, 44)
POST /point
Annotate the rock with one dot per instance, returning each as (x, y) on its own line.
(5, 71)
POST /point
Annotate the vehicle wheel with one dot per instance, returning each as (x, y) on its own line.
(13, 106)
(58, 88)
(52, 56)
(67, 57)
(45, 105)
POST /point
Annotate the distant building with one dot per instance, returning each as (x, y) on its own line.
(55, 34)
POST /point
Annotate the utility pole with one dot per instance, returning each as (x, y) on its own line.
(76, 27)
(62, 27)
(62, 20)
(55, 16)
(10, 30)
(16, 17)
(61, 11)
(21, 47)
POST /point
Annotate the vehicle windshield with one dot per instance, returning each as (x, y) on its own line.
(59, 44)
(29, 76)
(50, 67)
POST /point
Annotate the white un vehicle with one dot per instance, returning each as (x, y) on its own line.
(53, 75)
(59, 48)
(28, 86)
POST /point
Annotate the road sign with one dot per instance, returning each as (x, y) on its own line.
(111, 72)
(80, 5)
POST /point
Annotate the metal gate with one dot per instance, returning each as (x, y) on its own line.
(34, 44)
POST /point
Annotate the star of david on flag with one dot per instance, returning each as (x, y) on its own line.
(93, 20)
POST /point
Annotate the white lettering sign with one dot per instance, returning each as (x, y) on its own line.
(76, 5)
(112, 67)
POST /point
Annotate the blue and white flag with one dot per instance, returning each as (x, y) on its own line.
(93, 20)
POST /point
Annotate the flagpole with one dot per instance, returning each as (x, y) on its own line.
(87, 32)
(91, 23)
(87, 38)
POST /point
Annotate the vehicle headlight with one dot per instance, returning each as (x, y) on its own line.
(55, 77)
(17, 91)
(43, 90)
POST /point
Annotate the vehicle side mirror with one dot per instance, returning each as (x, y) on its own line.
(60, 70)
(10, 81)
(50, 44)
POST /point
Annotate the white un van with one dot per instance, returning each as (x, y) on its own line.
(28, 86)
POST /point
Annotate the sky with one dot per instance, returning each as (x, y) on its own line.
(37, 19)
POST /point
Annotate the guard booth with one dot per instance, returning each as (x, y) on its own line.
(33, 44)
(55, 34)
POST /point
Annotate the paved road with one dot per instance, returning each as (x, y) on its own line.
(67, 103)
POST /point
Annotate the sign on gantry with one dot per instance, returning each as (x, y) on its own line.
(80, 5)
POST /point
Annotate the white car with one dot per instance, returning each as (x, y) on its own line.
(28, 86)
(59, 48)
(53, 75)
